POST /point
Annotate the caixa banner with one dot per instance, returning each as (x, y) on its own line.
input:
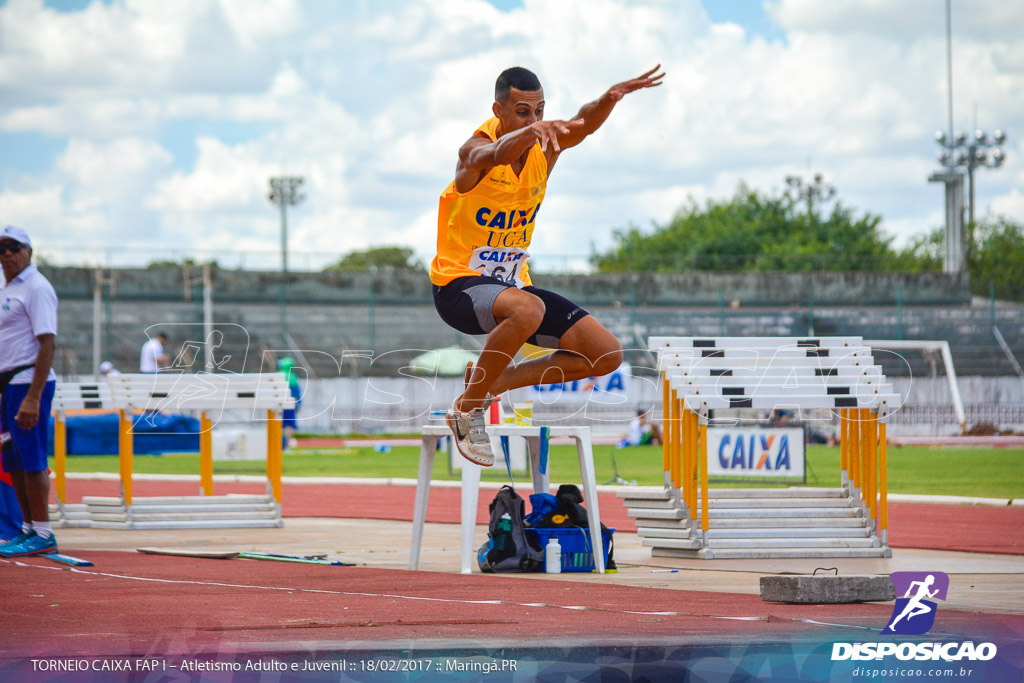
(756, 452)
(611, 389)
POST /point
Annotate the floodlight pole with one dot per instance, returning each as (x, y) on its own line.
(208, 363)
(961, 152)
(954, 240)
(206, 279)
(97, 320)
(284, 191)
(98, 317)
(949, 66)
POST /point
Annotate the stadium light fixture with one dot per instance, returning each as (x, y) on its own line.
(967, 153)
(809, 191)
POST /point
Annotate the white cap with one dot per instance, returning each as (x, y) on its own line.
(13, 232)
(106, 366)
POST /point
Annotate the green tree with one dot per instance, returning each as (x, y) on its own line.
(398, 258)
(187, 261)
(752, 231)
(997, 257)
(923, 254)
(994, 257)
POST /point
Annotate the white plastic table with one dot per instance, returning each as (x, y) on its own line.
(471, 483)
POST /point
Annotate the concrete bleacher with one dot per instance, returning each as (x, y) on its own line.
(334, 330)
(323, 333)
(968, 330)
(331, 313)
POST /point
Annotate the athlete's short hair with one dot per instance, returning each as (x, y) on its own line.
(516, 77)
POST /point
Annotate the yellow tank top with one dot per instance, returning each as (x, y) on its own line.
(487, 230)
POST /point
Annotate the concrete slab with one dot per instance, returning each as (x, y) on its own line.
(826, 589)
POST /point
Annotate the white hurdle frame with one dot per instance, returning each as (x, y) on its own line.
(202, 393)
(769, 373)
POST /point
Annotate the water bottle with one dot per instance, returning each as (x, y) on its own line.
(504, 532)
(553, 557)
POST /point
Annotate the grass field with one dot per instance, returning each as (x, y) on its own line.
(993, 473)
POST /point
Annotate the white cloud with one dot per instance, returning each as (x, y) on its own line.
(38, 209)
(225, 179)
(903, 230)
(135, 47)
(253, 24)
(114, 165)
(903, 21)
(91, 197)
(101, 118)
(1010, 204)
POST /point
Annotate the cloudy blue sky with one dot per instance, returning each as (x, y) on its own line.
(135, 129)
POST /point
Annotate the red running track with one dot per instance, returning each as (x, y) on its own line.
(131, 603)
(983, 529)
(135, 604)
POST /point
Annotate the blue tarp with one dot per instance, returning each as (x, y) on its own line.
(10, 512)
(154, 433)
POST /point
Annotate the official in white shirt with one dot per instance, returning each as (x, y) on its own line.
(28, 333)
(153, 357)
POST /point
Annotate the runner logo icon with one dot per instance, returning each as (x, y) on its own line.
(913, 614)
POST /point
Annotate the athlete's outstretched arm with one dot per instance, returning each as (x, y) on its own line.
(479, 154)
(595, 113)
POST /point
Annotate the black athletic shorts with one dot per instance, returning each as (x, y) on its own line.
(467, 304)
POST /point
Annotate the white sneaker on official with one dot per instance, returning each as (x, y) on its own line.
(470, 430)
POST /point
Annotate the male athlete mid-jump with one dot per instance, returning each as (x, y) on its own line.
(485, 223)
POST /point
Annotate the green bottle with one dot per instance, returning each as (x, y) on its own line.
(503, 535)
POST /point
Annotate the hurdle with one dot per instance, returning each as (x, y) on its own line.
(265, 394)
(72, 396)
(701, 375)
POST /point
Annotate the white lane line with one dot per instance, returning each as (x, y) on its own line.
(218, 584)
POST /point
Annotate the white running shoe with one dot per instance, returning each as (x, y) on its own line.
(471, 435)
